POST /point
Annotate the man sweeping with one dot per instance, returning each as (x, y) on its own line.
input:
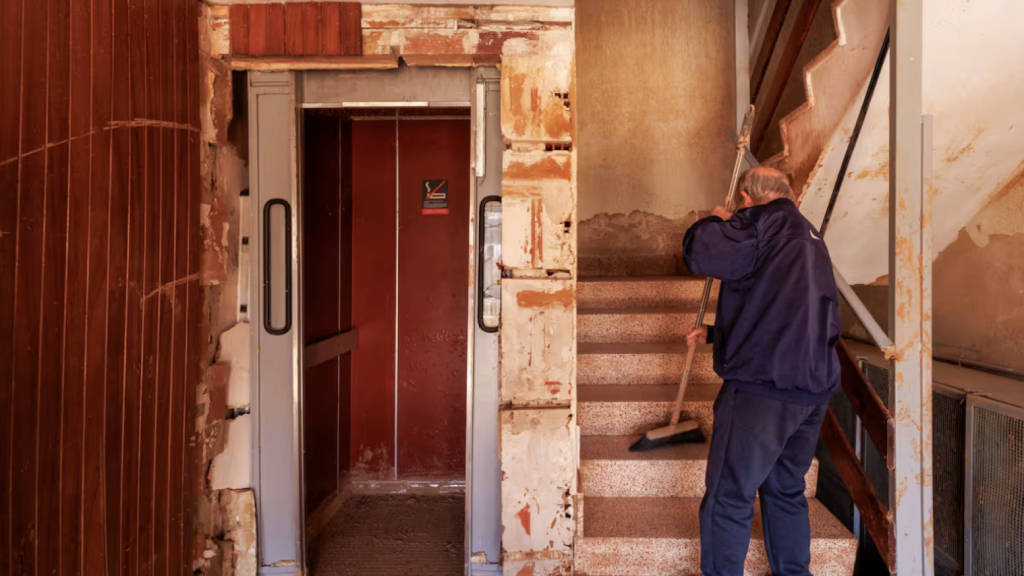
(774, 345)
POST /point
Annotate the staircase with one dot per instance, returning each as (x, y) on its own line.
(638, 512)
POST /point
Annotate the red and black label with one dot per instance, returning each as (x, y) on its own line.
(435, 197)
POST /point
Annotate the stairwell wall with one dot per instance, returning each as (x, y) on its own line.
(656, 105)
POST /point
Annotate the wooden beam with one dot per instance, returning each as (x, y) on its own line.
(284, 63)
(768, 97)
(331, 347)
(875, 515)
(764, 55)
(872, 411)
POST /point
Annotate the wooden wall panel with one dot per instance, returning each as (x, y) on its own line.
(296, 28)
(258, 30)
(311, 28)
(238, 16)
(99, 335)
(10, 98)
(294, 19)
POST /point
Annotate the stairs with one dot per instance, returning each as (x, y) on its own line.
(638, 512)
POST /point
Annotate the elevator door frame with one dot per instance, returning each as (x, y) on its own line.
(281, 523)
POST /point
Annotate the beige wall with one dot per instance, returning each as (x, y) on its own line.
(656, 103)
(977, 287)
(978, 295)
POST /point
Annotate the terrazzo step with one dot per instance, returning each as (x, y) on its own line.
(632, 410)
(661, 536)
(641, 363)
(632, 265)
(642, 292)
(637, 324)
(609, 469)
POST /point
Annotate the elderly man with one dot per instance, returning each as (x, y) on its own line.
(774, 345)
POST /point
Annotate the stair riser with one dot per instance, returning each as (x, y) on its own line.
(655, 478)
(642, 294)
(627, 418)
(643, 368)
(591, 266)
(666, 327)
(681, 557)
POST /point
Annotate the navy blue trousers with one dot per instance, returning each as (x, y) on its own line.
(760, 447)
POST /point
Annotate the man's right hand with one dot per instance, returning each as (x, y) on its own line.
(721, 212)
(697, 336)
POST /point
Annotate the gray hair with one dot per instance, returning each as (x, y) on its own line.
(763, 183)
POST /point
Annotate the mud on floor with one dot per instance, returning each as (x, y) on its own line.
(392, 535)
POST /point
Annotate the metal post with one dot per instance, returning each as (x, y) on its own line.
(910, 296)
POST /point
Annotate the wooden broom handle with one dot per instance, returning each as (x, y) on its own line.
(741, 149)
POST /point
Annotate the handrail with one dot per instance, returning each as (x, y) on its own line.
(879, 336)
(865, 104)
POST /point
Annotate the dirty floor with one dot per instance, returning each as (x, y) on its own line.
(392, 535)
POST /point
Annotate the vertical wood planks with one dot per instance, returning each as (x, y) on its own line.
(238, 19)
(331, 27)
(296, 28)
(351, 28)
(10, 99)
(275, 29)
(81, 84)
(258, 30)
(10, 124)
(311, 28)
(294, 20)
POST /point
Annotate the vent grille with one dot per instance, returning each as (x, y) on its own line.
(997, 523)
(948, 416)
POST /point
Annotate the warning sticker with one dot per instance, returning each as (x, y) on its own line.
(435, 197)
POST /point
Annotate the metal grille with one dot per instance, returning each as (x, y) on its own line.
(948, 470)
(948, 483)
(997, 521)
(874, 464)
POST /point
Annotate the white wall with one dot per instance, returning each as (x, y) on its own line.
(973, 81)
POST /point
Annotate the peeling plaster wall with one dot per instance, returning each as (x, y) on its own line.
(973, 91)
(978, 296)
(978, 288)
(535, 45)
(224, 536)
(656, 105)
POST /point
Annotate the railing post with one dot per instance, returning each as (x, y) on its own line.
(910, 297)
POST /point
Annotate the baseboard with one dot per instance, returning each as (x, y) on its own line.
(424, 487)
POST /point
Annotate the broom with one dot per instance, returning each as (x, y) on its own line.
(687, 432)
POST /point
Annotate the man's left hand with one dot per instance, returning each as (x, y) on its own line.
(721, 212)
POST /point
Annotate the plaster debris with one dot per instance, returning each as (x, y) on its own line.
(235, 350)
(232, 468)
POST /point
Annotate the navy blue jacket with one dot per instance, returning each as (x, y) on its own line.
(777, 323)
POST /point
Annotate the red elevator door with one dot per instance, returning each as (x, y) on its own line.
(421, 167)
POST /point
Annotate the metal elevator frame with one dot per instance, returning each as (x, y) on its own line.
(276, 100)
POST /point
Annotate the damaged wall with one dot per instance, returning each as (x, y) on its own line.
(99, 253)
(978, 299)
(535, 48)
(977, 303)
(656, 103)
(223, 540)
(970, 90)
